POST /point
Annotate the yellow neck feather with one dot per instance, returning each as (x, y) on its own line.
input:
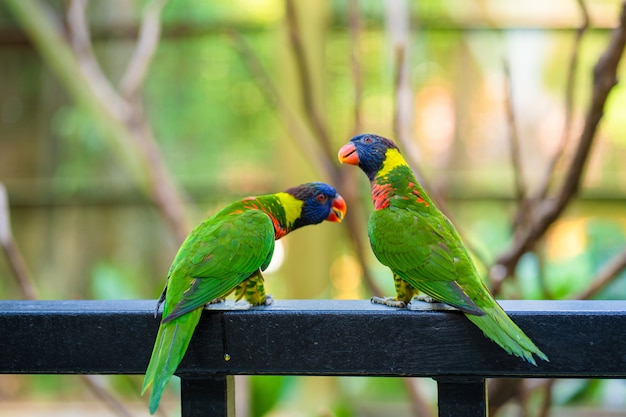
(393, 159)
(292, 206)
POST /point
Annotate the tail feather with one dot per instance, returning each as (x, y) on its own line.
(497, 326)
(169, 348)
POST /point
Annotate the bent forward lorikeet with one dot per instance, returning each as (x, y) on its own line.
(226, 253)
(422, 248)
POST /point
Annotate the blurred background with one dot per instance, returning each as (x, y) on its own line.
(124, 123)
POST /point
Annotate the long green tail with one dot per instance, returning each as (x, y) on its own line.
(169, 349)
(497, 326)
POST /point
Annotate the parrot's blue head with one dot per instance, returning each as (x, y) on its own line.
(320, 202)
(368, 152)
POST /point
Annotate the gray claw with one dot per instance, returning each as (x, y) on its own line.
(388, 301)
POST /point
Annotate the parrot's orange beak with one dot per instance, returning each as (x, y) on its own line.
(338, 210)
(348, 155)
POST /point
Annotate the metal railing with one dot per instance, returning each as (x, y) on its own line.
(583, 339)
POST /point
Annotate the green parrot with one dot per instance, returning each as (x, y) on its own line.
(422, 248)
(227, 253)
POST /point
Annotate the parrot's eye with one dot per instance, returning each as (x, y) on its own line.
(321, 198)
(367, 139)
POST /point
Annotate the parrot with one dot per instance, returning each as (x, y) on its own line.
(226, 253)
(423, 249)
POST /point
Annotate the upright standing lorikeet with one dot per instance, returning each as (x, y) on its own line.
(422, 247)
(226, 253)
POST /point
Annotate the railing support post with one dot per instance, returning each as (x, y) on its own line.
(208, 396)
(462, 397)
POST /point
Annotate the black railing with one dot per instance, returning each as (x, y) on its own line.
(583, 339)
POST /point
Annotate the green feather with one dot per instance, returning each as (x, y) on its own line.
(170, 346)
(219, 254)
(226, 252)
(497, 326)
(421, 246)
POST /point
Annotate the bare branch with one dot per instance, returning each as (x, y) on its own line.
(137, 134)
(12, 251)
(605, 276)
(516, 159)
(311, 112)
(306, 142)
(397, 21)
(356, 219)
(94, 383)
(25, 283)
(147, 43)
(355, 60)
(403, 106)
(298, 131)
(542, 190)
(86, 59)
(163, 190)
(546, 403)
(604, 79)
(419, 405)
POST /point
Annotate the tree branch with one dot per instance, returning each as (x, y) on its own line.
(605, 276)
(80, 38)
(542, 190)
(12, 251)
(305, 140)
(516, 159)
(604, 79)
(25, 283)
(306, 85)
(354, 22)
(298, 131)
(147, 43)
(130, 114)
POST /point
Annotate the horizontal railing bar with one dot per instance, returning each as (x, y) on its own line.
(583, 339)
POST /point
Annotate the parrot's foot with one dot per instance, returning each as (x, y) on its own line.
(216, 301)
(241, 305)
(388, 301)
(425, 298)
(425, 302)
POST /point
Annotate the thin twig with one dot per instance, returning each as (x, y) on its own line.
(94, 383)
(396, 16)
(311, 111)
(419, 405)
(25, 284)
(354, 21)
(544, 185)
(516, 158)
(604, 79)
(611, 270)
(298, 131)
(546, 402)
(348, 176)
(12, 251)
(79, 34)
(129, 113)
(147, 43)
(307, 143)
(508, 387)
(501, 390)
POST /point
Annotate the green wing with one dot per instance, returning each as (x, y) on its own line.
(425, 252)
(217, 256)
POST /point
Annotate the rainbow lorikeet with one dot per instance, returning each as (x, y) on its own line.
(422, 248)
(227, 253)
